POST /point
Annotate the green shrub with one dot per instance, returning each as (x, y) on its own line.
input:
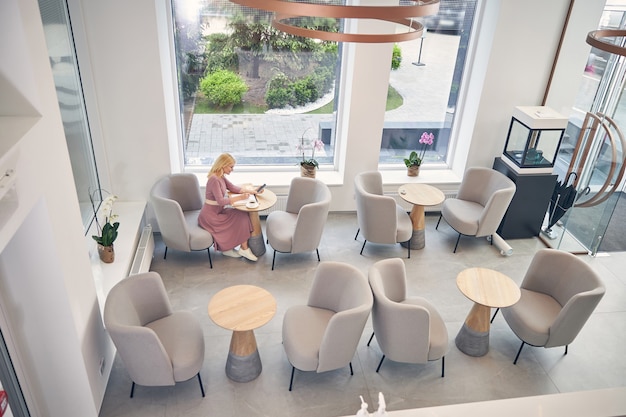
(396, 57)
(277, 98)
(223, 88)
(303, 92)
(281, 91)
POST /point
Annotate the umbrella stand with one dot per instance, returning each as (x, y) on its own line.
(551, 234)
(562, 200)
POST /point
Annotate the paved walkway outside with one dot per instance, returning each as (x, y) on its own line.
(276, 136)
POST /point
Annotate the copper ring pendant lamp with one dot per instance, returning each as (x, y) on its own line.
(403, 15)
(598, 122)
(595, 38)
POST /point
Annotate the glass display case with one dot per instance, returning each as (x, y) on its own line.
(534, 137)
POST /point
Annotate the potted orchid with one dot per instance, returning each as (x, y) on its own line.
(415, 159)
(107, 233)
(308, 166)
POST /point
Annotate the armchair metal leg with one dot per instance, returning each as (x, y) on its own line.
(457, 243)
(273, 259)
(518, 352)
(566, 349)
(357, 233)
(293, 369)
(210, 261)
(132, 390)
(443, 366)
(200, 382)
(380, 363)
(351, 371)
(370, 341)
(318, 254)
(165, 254)
(364, 242)
(494, 315)
(440, 216)
(409, 247)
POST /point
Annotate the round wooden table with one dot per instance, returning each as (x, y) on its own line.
(486, 288)
(266, 200)
(420, 195)
(242, 308)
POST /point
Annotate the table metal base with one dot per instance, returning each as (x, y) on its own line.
(418, 240)
(472, 342)
(257, 244)
(243, 368)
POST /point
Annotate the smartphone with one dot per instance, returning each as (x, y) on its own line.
(258, 190)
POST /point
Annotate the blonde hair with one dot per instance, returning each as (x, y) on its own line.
(220, 163)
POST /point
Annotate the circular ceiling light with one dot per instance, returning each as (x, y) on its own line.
(597, 39)
(404, 15)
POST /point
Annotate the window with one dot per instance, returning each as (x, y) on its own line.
(250, 90)
(281, 72)
(66, 75)
(423, 88)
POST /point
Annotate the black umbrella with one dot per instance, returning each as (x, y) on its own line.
(563, 198)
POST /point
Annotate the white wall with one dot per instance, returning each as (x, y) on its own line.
(524, 46)
(135, 110)
(47, 298)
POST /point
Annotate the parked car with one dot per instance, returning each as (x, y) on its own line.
(450, 18)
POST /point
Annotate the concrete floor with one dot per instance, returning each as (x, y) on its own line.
(595, 360)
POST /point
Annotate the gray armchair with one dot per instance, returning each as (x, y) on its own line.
(408, 329)
(158, 346)
(380, 218)
(480, 204)
(177, 202)
(323, 334)
(299, 228)
(558, 294)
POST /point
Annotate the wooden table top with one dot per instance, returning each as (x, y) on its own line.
(242, 307)
(421, 194)
(488, 287)
(266, 200)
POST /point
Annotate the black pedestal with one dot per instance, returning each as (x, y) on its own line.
(530, 203)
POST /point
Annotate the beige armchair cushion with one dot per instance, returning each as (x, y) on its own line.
(158, 346)
(323, 334)
(177, 202)
(480, 204)
(558, 295)
(380, 218)
(300, 226)
(408, 329)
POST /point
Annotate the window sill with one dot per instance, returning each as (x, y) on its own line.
(131, 218)
(436, 177)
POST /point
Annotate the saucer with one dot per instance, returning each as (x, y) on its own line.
(252, 204)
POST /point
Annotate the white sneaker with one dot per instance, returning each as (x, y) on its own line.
(247, 253)
(232, 253)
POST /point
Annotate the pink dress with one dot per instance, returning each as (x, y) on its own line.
(229, 226)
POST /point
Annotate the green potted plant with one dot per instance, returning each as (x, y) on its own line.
(107, 233)
(308, 165)
(414, 161)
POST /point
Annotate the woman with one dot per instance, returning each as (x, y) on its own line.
(230, 227)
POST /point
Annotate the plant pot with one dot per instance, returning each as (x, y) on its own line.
(106, 253)
(307, 170)
(413, 171)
